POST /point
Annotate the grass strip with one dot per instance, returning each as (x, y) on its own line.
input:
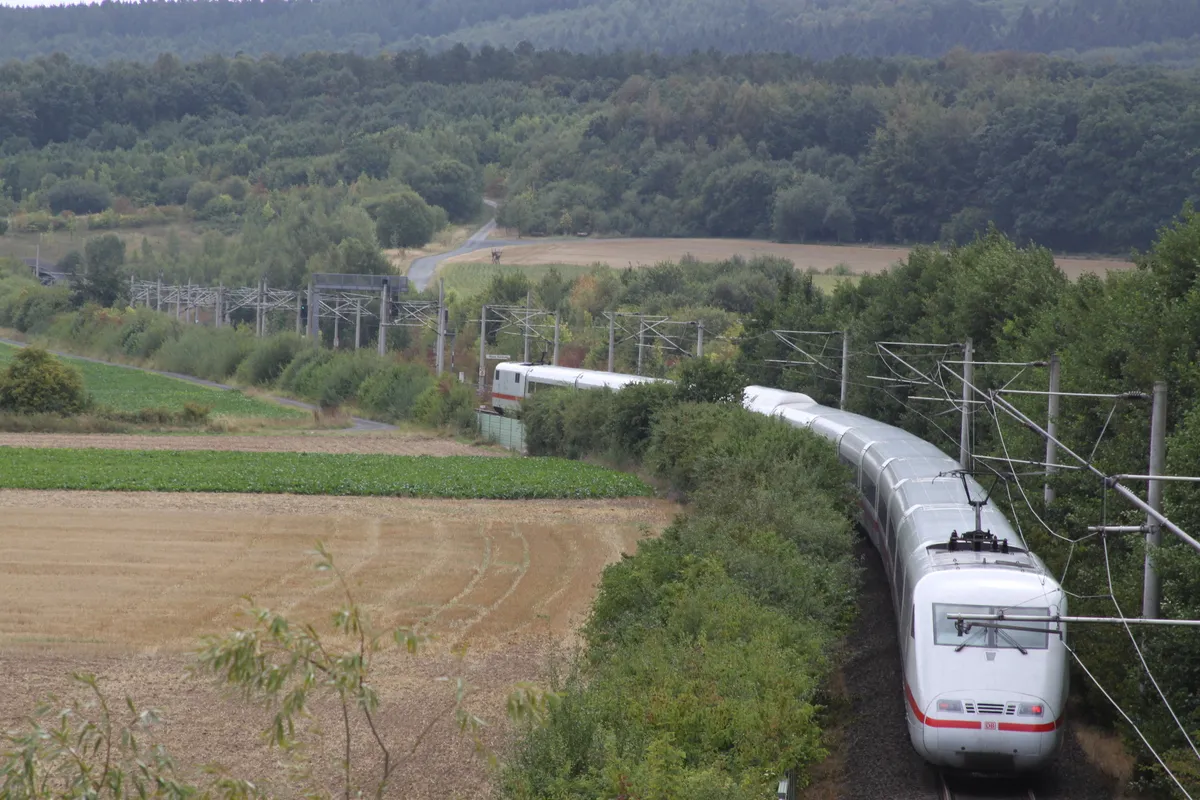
(312, 473)
(124, 389)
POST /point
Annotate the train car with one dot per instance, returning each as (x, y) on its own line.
(980, 698)
(512, 382)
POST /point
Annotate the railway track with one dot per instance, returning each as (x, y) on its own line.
(973, 788)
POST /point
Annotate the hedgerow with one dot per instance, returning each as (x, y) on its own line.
(706, 652)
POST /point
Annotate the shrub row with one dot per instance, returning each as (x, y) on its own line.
(378, 387)
(706, 652)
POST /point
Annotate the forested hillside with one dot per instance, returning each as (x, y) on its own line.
(1143, 30)
(321, 160)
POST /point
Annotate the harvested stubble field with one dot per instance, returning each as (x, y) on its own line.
(861, 260)
(122, 585)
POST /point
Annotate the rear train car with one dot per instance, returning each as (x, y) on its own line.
(513, 381)
(979, 697)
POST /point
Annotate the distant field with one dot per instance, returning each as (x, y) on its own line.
(471, 278)
(123, 389)
(647, 252)
(56, 244)
(312, 473)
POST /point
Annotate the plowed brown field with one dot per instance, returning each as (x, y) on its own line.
(124, 584)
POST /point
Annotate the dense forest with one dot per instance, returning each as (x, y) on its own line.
(302, 164)
(1131, 30)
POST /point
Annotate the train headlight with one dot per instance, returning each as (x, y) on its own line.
(1031, 709)
(950, 705)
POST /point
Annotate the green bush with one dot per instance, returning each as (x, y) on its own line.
(267, 361)
(146, 332)
(633, 412)
(392, 393)
(297, 376)
(213, 354)
(684, 440)
(707, 650)
(542, 415)
(78, 197)
(37, 305)
(38, 383)
(195, 413)
(343, 374)
(447, 404)
(703, 380)
(564, 423)
(606, 424)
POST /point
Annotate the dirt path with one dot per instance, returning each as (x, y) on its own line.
(391, 443)
(123, 584)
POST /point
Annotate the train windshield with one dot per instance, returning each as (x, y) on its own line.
(1031, 636)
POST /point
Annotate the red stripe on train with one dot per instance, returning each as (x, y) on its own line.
(1044, 727)
(1017, 727)
(934, 722)
(514, 398)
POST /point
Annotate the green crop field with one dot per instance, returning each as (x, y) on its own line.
(124, 389)
(312, 473)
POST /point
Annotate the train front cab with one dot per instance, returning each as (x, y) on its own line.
(509, 383)
(975, 702)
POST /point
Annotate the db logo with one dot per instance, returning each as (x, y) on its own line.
(989, 726)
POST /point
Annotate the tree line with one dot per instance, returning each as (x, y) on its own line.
(391, 148)
(1133, 30)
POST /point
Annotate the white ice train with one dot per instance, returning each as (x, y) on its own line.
(514, 381)
(981, 698)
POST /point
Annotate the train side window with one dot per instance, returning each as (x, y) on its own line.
(883, 523)
(517, 378)
(496, 379)
(868, 490)
(912, 630)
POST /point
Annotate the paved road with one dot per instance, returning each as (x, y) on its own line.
(358, 423)
(421, 271)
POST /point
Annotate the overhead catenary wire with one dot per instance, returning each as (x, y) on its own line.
(1111, 595)
(995, 403)
(1133, 640)
(1128, 719)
